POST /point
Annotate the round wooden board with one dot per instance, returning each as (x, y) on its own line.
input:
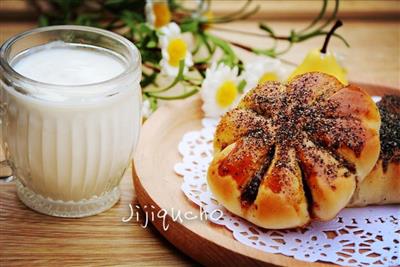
(159, 187)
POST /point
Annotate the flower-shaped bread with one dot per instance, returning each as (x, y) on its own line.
(291, 153)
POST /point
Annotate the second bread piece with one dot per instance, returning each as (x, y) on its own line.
(382, 184)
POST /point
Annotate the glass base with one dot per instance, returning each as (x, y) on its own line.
(67, 209)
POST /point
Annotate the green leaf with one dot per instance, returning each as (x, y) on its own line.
(266, 28)
(153, 103)
(131, 18)
(151, 44)
(148, 79)
(144, 28)
(265, 52)
(43, 21)
(241, 85)
(150, 55)
(229, 56)
(189, 26)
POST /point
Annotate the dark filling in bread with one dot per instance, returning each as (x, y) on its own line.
(307, 190)
(389, 108)
(250, 191)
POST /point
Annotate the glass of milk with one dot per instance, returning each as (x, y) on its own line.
(71, 113)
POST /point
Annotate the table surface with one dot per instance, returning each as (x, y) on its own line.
(29, 238)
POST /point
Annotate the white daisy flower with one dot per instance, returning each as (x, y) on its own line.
(219, 90)
(261, 70)
(157, 13)
(174, 48)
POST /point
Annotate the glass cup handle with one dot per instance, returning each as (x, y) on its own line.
(5, 169)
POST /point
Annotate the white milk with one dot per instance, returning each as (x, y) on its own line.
(71, 142)
(62, 64)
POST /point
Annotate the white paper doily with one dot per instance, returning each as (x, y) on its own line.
(356, 237)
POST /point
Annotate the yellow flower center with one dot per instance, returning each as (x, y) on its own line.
(268, 76)
(177, 51)
(226, 94)
(162, 14)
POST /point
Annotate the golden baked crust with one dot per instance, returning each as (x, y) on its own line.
(289, 153)
(382, 185)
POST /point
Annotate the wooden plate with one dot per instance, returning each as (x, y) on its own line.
(158, 187)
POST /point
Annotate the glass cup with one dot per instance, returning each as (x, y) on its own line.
(69, 145)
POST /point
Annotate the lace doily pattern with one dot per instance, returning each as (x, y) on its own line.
(367, 236)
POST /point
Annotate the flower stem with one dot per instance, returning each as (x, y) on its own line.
(247, 48)
(182, 96)
(284, 38)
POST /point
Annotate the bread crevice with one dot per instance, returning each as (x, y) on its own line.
(307, 190)
(250, 191)
(334, 153)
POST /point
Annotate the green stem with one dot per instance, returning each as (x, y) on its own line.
(320, 15)
(182, 96)
(331, 18)
(178, 78)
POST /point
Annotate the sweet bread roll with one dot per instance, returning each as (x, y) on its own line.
(291, 153)
(382, 185)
